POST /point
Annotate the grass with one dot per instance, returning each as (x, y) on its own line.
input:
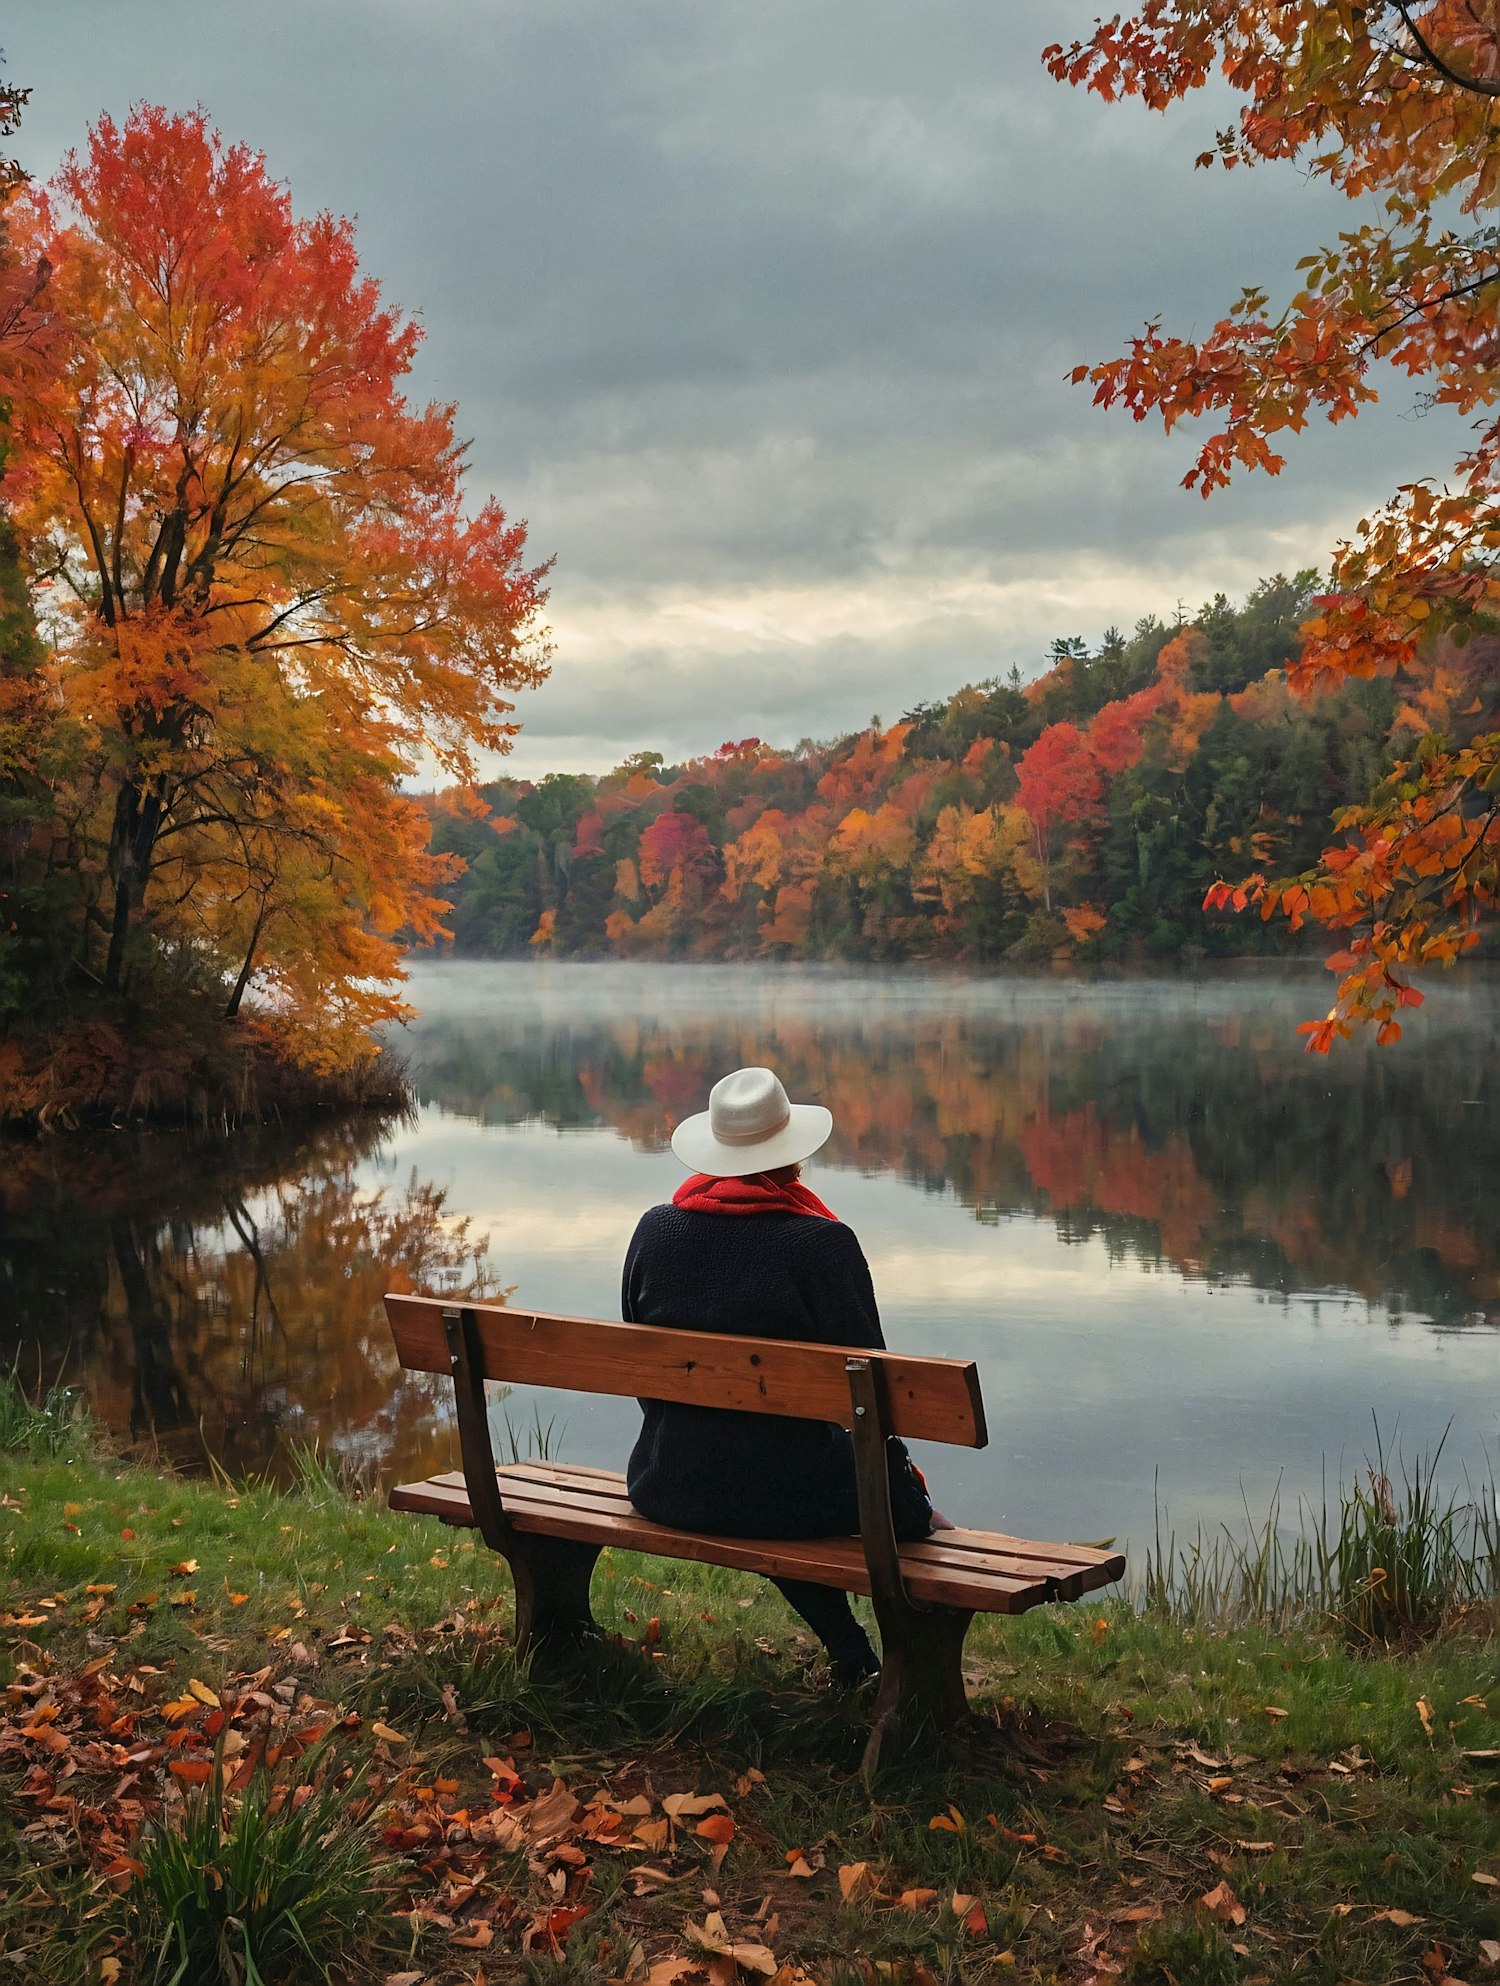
(1382, 1560)
(273, 1885)
(52, 1426)
(1144, 1795)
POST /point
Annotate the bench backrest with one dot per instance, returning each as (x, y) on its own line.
(925, 1399)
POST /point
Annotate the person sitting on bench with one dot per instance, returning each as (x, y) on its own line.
(746, 1248)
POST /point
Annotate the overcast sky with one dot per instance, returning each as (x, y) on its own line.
(759, 311)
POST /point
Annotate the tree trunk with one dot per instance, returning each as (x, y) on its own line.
(132, 844)
(119, 931)
(231, 1012)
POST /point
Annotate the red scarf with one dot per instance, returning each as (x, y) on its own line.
(756, 1194)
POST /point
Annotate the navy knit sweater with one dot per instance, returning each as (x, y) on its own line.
(755, 1475)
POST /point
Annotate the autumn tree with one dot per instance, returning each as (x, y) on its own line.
(1397, 98)
(1059, 787)
(267, 596)
(26, 726)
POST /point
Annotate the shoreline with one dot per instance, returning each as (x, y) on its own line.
(1138, 1797)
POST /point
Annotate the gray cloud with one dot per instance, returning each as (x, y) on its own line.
(760, 314)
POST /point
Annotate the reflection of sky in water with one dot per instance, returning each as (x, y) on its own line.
(1097, 1373)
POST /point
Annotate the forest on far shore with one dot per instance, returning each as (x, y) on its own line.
(1086, 812)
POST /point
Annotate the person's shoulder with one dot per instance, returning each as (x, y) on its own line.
(656, 1219)
(829, 1241)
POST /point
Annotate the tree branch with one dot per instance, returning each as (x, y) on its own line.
(1475, 84)
(1428, 303)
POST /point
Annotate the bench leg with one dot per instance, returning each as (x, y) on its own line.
(552, 1577)
(921, 1680)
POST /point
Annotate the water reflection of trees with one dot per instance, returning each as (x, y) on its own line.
(222, 1296)
(1200, 1139)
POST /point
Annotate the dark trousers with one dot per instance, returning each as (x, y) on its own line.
(827, 1611)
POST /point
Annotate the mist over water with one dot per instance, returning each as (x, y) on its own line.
(1179, 1248)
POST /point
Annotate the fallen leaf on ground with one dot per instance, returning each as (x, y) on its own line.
(687, 1806)
(970, 1913)
(1402, 1919)
(1256, 1847)
(203, 1693)
(916, 1899)
(1274, 1710)
(1489, 1953)
(184, 1569)
(1424, 1711)
(551, 1812)
(855, 1880)
(716, 1827)
(1490, 1882)
(1224, 1904)
(392, 1737)
(712, 1936)
(951, 1822)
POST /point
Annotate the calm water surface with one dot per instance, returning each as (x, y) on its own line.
(1181, 1250)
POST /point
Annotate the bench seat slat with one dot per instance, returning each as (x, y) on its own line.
(978, 1570)
(599, 1493)
(1071, 1565)
(823, 1562)
(928, 1399)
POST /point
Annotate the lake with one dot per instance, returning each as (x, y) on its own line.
(1189, 1259)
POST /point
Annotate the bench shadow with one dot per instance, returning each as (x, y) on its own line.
(599, 1693)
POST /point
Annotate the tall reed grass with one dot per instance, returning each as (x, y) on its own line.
(1388, 1557)
(49, 1426)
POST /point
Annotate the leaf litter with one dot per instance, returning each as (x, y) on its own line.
(491, 1856)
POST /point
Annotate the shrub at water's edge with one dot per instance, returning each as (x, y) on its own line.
(187, 1068)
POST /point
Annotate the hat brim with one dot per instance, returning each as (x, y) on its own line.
(805, 1131)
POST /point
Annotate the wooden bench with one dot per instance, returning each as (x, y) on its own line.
(550, 1520)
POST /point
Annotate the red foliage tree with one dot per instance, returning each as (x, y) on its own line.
(1059, 783)
(269, 595)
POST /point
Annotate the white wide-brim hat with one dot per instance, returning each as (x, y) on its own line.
(750, 1126)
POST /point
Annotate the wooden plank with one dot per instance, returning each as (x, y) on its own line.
(927, 1399)
(542, 1508)
(589, 1501)
(961, 1537)
(1088, 1555)
(824, 1562)
(1054, 1558)
(1077, 1569)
